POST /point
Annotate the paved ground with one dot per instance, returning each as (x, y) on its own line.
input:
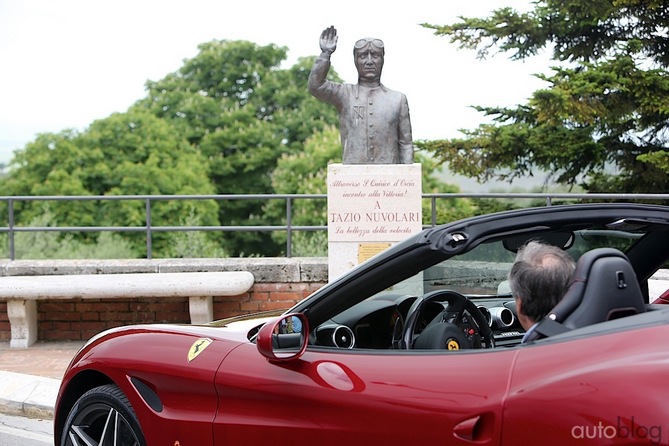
(29, 377)
(47, 359)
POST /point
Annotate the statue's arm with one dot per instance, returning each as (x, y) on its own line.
(318, 75)
(405, 137)
(318, 84)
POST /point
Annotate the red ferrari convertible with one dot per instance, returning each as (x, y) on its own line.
(419, 345)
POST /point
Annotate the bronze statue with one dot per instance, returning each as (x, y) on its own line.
(374, 121)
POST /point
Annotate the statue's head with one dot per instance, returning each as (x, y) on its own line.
(368, 54)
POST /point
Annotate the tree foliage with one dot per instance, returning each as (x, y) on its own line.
(217, 125)
(305, 172)
(132, 153)
(243, 112)
(601, 122)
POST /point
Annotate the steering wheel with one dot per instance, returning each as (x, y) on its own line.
(445, 331)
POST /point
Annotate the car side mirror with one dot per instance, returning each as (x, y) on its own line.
(284, 338)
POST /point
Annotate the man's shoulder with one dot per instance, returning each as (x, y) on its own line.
(393, 93)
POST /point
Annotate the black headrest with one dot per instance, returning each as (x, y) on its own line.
(604, 287)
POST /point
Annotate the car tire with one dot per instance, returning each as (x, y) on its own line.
(102, 416)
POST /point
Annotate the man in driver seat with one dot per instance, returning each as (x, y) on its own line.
(539, 278)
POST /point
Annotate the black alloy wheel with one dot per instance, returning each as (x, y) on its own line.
(102, 417)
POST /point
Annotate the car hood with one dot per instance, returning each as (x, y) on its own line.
(235, 328)
(230, 331)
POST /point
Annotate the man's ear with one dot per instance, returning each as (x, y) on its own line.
(524, 321)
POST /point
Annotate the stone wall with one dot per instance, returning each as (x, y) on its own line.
(279, 283)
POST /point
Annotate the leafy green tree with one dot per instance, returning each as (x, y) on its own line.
(602, 121)
(305, 172)
(235, 103)
(133, 153)
(217, 125)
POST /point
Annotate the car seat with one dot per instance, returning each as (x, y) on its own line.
(604, 287)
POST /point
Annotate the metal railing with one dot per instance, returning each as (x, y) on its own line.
(12, 229)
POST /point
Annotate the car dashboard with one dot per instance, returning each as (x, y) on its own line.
(379, 322)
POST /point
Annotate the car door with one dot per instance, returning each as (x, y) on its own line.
(599, 389)
(331, 396)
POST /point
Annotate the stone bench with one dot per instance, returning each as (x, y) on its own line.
(23, 292)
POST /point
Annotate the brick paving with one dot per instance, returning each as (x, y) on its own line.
(47, 359)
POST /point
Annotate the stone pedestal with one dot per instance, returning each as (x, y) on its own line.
(370, 207)
(22, 315)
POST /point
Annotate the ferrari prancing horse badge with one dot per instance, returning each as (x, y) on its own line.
(198, 347)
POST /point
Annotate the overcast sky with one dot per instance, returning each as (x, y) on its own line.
(67, 63)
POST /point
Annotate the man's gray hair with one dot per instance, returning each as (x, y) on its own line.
(540, 277)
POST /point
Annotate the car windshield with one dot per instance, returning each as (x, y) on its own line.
(482, 271)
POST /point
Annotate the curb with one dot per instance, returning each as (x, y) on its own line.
(27, 395)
